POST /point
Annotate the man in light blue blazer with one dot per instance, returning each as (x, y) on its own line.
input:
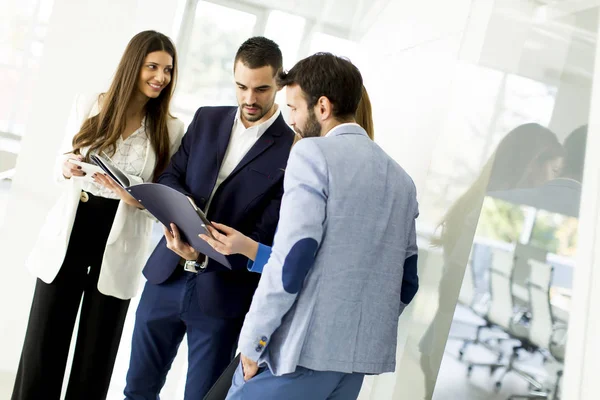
(344, 259)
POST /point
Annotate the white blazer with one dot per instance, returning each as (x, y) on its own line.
(127, 245)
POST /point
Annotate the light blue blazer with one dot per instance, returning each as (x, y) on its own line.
(331, 291)
(410, 280)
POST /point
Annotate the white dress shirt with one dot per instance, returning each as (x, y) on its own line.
(241, 140)
(130, 156)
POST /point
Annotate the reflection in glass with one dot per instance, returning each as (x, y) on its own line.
(505, 249)
(520, 262)
(526, 157)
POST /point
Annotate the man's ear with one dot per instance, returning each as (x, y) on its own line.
(325, 108)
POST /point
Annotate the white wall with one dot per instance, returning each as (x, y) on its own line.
(583, 347)
(84, 43)
(410, 82)
(409, 75)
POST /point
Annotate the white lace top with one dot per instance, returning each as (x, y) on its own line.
(130, 156)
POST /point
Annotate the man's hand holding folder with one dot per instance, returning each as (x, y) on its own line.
(176, 244)
(183, 220)
(179, 246)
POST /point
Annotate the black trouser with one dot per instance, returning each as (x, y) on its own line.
(54, 311)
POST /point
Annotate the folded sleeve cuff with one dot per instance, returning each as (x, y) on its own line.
(262, 256)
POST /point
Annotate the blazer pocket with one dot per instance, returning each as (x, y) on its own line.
(263, 173)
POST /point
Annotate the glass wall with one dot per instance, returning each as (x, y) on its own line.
(499, 211)
(498, 132)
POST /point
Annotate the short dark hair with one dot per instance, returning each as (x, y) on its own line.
(324, 74)
(257, 52)
(574, 146)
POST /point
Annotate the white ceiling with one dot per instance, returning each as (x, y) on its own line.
(559, 45)
(350, 18)
(558, 39)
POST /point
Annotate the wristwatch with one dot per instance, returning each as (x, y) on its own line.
(195, 266)
(191, 266)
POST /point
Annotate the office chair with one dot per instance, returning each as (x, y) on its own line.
(469, 300)
(544, 332)
(521, 272)
(501, 313)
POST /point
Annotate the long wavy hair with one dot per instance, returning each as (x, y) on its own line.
(101, 132)
(364, 114)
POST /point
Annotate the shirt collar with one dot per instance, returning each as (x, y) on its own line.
(260, 128)
(348, 127)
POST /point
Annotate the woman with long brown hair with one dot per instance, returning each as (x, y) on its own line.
(95, 239)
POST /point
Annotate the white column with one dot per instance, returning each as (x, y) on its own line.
(412, 51)
(583, 347)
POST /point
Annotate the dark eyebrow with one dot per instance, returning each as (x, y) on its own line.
(290, 106)
(260, 87)
(157, 64)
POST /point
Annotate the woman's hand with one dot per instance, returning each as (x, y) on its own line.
(69, 169)
(110, 184)
(230, 241)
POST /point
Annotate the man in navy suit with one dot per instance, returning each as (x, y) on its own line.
(231, 163)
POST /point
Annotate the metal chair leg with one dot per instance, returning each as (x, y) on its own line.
(532, 395)
(556, 395)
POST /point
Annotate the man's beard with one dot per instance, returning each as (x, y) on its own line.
(261, 111)
(312, 127)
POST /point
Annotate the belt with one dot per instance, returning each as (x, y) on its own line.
(192, 268)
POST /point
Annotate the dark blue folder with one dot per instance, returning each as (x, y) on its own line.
(168, 206)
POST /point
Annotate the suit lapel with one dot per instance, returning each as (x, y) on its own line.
(224, 135)
(262, 144)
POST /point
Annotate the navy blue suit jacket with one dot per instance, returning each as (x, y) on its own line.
(248, 200)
